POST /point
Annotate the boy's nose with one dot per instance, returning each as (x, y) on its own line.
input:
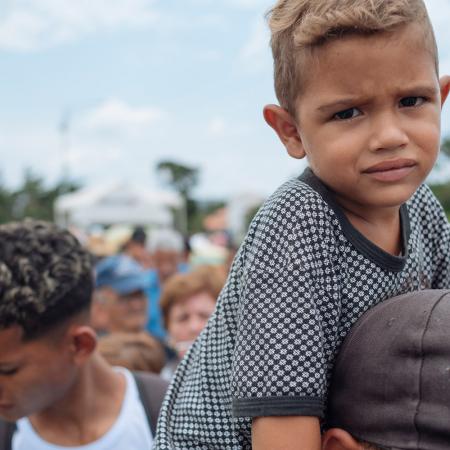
(388, 133)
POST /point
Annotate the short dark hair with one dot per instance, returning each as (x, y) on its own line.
(139, 236)
(45, 276)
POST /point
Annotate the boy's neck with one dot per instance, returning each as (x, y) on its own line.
(89, 409)
(380, 226)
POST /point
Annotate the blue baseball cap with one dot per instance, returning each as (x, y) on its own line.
(122, 274)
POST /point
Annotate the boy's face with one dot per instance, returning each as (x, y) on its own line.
(369, 118)
(33, 374)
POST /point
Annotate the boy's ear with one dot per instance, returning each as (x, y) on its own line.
(338, 439)
(444, 83)
(83, 343)
(286, 128)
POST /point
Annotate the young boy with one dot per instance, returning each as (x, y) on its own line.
(54, 386)
(360, 99)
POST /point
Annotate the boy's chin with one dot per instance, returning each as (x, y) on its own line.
(369, 200)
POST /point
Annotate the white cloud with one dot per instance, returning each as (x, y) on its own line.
(35, 24)
(217, 127)
(255, 53)
(75, 159)
(439, 11)
(250, 3)
(119, 116)
(241, 4)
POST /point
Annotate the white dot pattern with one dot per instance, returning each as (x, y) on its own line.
(297, 285)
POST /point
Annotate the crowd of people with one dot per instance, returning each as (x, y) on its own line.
(149, 302)
(62, 386)
(78, 335)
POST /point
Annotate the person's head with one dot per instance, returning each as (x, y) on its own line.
(135, 351)
(390, 387)
(136, 246)
(360, 95)
(166, 249)
(187, 302)
(46, 283)
(119, 296)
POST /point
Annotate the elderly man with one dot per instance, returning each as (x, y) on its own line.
(120, 299)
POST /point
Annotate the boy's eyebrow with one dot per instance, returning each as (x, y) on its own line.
(344, 103)
(426, 90)
(7, 364)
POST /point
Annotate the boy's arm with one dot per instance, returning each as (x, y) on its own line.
(286, 433)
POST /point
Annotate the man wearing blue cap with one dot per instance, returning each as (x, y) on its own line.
(119, 296)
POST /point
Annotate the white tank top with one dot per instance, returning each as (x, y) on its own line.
(130, 430)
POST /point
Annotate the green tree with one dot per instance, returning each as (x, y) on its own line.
(5, 203)
(183, 179)
(180, 177)
(442, 190)
(204, 209)
(445, 147)
(32, 198)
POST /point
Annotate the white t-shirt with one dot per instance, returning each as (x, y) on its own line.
(130, 430)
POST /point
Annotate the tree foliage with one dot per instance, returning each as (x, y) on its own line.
(442, 190)
(180, 177)
(32, 198)
(445, 147)
(183, 179)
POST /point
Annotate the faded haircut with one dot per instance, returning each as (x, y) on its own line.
(45, 277)
(301, 25)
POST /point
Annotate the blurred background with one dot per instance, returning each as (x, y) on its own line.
(123, 113)
(138, 125)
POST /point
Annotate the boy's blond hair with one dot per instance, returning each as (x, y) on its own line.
(299, 25)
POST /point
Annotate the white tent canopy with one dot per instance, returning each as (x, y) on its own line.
(117, 203)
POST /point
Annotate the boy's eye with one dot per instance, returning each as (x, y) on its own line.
(8, 372)
(408, 102)
(349, 113)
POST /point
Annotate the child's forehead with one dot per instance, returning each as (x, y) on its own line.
(403, 54)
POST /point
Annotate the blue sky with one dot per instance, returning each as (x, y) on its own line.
(137, 81)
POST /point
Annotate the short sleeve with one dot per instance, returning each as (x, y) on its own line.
(289, 308)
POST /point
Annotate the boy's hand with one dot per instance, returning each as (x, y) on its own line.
(286, 433)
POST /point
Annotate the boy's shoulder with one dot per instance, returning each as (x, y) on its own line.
(424, 206)
(427, 214)
(296, 198)
(292, 220)
(424, 196)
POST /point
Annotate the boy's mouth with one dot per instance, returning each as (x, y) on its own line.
(391, 170)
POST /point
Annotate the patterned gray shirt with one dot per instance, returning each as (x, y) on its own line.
(300, 280)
